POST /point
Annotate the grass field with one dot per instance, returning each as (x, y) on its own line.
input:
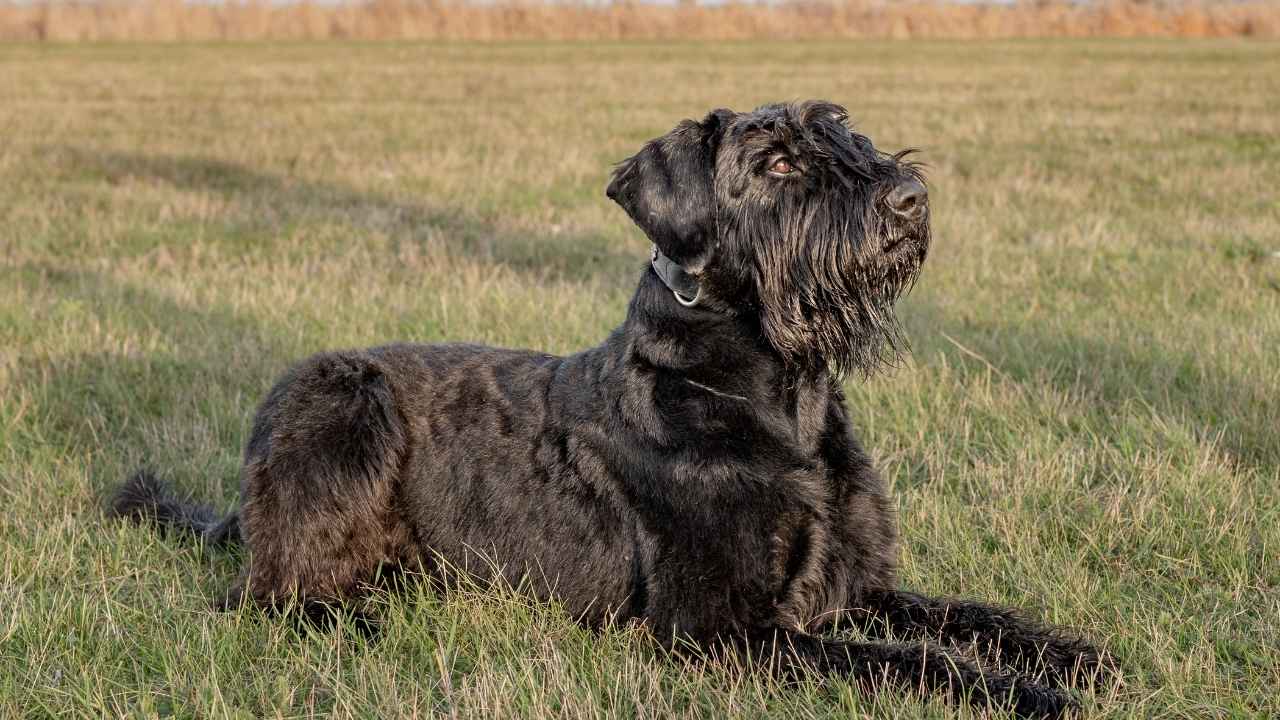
(1088, 426)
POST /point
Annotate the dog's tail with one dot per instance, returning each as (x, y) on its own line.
(146, 499)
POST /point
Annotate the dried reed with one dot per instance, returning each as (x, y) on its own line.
(175, 20)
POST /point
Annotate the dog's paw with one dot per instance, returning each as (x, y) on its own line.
(1028, 699)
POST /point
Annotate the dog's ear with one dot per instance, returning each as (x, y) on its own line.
(667, 188)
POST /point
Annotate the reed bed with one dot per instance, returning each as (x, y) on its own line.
(175, 20)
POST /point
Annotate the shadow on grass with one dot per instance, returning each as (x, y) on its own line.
(202, 388)
(280, 201)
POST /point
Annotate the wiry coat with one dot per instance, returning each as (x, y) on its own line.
(697, 471)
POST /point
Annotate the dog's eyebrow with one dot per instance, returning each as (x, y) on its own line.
(753, 133)
(841, 151)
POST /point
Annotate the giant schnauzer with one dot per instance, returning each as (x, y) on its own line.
(697, 471)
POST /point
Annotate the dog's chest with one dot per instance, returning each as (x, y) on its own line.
(758, 507)
(753, 469)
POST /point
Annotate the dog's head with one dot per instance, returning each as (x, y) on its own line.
(786, 213)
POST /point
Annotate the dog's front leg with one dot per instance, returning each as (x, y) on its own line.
(999, 633)
(875, 666)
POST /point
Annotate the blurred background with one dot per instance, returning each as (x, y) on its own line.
(168, 20)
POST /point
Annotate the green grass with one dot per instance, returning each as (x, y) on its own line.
(1089, 425)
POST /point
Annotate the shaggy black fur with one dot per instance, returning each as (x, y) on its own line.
(696, 472)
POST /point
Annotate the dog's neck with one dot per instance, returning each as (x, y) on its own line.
(716, 352)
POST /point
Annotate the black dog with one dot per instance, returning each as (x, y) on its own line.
(696, 472)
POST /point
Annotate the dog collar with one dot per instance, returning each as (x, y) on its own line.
(678, 280)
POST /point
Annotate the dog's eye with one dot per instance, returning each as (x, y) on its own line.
(781, 166)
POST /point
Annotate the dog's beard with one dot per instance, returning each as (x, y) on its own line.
(813, 326)
(827, 298)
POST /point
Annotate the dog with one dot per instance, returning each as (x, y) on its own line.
(696, 472)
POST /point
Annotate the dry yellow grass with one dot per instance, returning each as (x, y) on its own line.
(174, 20)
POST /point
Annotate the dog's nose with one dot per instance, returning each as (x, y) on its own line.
(908, 198)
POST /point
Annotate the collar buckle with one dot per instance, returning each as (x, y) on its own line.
(684, 286)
